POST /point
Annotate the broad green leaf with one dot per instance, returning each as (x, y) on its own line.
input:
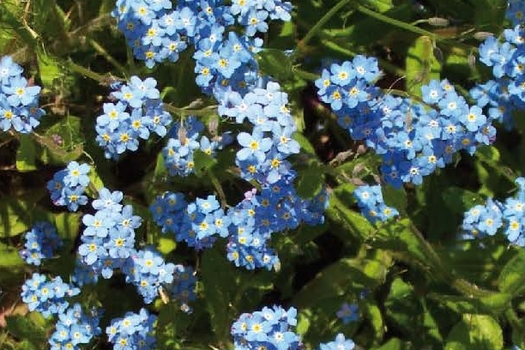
(275, 63)
(400, 236)
(203, 162)
(10, 257)
(62, 142)
(22, 327)
(494, 303)
(26, 154)
(512, 278)
(475, 332)
(403, 307)
(310, 179)
(421, 65)
(380, 5)
(461, 200)
(489, 14)
(305, 144)
(219, 289)
(15, 216)
(95, 183)
(166, 245)
(392, 344)
(303, 321)
(396, 198)
(49, 70)
(373, 313)
(26, 345)
(338, 277)
(68, 225)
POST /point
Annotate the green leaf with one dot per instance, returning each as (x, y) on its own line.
(339, 276)
(166, 245)
(95, 183)
(352, 222)
(26, 154)
(304, 143)
(396, 198)
(203, 162)
(303, 321)
(15, 216)
(421, 65)
(48, 68)
(512, 278)
(461, 200)
(392, 344)
(68, 225)
(375, 318)
(219, 288)
(310, 179)
(275, 63)
(69, 146)
(403, 307)
(22, 327)
(475, 332)
(10, 257)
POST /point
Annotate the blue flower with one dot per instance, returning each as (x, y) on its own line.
(41, 242)
(348, 313)
(253, 145)
(340, 343)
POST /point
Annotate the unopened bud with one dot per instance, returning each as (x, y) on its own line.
(213, 125)
(481, 36)
(438, 22)
(182, 134)
(438, 54)
(471, 60)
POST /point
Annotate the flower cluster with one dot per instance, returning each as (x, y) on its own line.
(515, 11)
(41, 242)
(18, 99)
(370, 201)
(109, 235)
(157, 32)
(47, 297)
(189, 222)
(266, 329)
(248, 226)
(148, 272)
(68, 186)
(412, 138)
(74, 327)
(263, 152)
(133, 331)
(135, 113)
(482, 220)
(184, 138)
(182, 289)
(506, 56)
(340, 343)
(348, 313)
(262, 157)
(108, 245)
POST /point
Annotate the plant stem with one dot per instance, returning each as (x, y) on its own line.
(411, 28)
(84, 71)
(383, 63)
(195, 112)
(317, 27)
(182, 111)
(439, 267)
(107, 56)
(398, 23)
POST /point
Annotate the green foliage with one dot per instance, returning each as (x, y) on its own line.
(417, 282)
(475, 332)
